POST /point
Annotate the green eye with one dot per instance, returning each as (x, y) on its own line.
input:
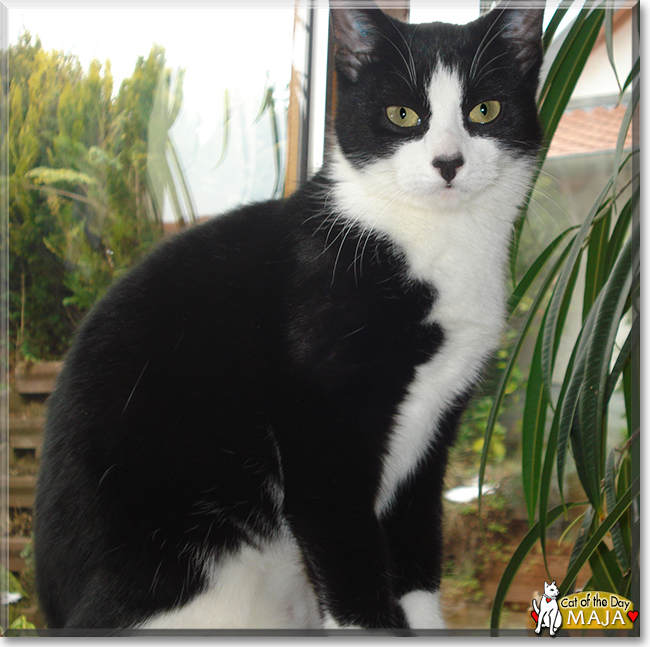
(403, 116)
(485, 112)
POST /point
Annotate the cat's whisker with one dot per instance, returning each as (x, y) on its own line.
(482, 48)
(534, 207)
(401, 76)
(335, 222)
(411, 64)
(481, 74)
(559, 181)
(549, 196)
(371, 229)
(413, 82)
(346, 231)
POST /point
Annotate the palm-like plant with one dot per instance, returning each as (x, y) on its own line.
(605, 248)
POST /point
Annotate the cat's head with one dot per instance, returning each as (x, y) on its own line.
(551, 590)
(443, 114)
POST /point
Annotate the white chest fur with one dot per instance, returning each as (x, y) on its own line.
(461, 252)
(460, 246)
(466, 269)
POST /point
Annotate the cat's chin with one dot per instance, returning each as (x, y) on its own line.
(442, 198)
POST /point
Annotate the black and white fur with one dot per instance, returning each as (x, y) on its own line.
(251, 428)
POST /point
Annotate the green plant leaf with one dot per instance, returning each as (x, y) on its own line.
(11, 582)
(533, 431)
(268, 105)
(533, 272)
(620, 549)
(595, 265)
(606, 312)
(164, 170)
(625, 586)
(512, 360)
(552, 26)
(517, 559)
(570, 527)
(549, 461)
(589, 380)
(557, 88)
(605, 570)
(567, 405)
(227, 118)
(567, 67)
(622, 136)
(517, 231)
(177, 172)
(623, 482)
(609, 41)
(620, 231)
(559, 300)
(572, 34)
(581, 540)
(597, 537)
(20, 623)
(48, 176)
(623, 358)
(634, 72)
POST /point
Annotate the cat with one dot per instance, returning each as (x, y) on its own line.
(251, 428)
(548, 613)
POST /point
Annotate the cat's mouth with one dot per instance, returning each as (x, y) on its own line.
(452, 189)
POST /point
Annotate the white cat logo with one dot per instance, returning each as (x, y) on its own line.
(548, 613)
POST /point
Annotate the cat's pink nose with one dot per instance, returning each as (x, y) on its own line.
(448, 166)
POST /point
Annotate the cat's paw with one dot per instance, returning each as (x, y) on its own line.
(330, 622)
(422, 609)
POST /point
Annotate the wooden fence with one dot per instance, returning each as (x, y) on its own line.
(32, 382)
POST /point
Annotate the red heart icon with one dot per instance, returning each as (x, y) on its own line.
(632, 615)
(535, 616)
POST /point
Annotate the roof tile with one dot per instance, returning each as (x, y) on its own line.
(588, 131)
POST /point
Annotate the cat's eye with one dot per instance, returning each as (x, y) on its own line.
(403, 116)
(485, 112)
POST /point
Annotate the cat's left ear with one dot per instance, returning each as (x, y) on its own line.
(357, 28)
(523, 28)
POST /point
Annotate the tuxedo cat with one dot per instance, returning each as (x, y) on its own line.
(251, 428)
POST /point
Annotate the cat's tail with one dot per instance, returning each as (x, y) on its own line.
(535, 607)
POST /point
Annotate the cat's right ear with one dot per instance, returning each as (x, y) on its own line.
(356, 33)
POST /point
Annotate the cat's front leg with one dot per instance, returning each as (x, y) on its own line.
(349, 564)
(422, 609)
(413, 525)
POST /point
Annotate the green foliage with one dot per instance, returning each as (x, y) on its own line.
(469, 445)
(21, 622)
(476, 545)
(15, 620)
(604, 249)
(270, 108)
(82, 205)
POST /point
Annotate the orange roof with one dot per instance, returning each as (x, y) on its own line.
(591, 130)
